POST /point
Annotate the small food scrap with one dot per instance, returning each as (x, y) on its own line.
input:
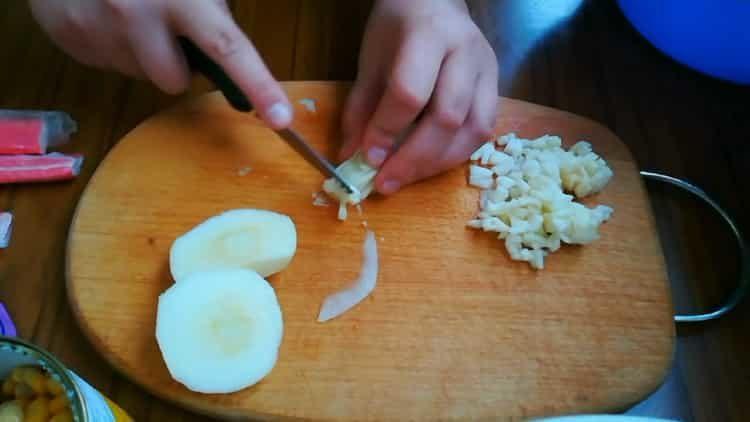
(343, 300)
(219, 331)
(244, 171)
(480, 177)
(259, 240)
(32, 132)
(7, 328)
(39, 168)
(6, 228)
(523, 194)
(360, 175)
(319, 200)
(30, 393)
(309, 104)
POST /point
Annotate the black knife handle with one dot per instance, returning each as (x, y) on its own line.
(200, 62)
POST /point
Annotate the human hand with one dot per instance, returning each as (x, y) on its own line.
(138, 38)
(423, 63)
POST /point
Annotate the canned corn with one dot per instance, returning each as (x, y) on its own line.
(86, 403)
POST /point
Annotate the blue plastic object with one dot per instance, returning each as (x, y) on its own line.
(710, 36)
(6, 324)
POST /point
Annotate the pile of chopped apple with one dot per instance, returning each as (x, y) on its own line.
(527, 194)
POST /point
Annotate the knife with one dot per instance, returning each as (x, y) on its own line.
(200, 62)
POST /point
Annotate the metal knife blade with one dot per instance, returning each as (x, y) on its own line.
(313, 157)
(200, 62)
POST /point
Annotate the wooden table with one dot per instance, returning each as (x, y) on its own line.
(673, 119)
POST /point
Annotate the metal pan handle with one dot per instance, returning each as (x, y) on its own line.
(744, 283)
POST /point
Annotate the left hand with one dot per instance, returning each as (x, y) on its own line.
(422, 63)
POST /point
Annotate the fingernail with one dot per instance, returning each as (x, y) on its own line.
(279, 114)
(390, 186)
(376, 156)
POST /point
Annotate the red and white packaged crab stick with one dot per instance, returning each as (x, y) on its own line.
(6, 228)
(31, 132)
(39, 168)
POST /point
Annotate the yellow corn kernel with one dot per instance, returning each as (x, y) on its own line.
(120, 415)
(16, 373)
(11, 412)
(38, 410)
(22, 391)
(9, 386)
(65, 416)
(58, 404)
(54, 387)
(35, 379)
(24, 403)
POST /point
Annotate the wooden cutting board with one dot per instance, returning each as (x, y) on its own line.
(454, 329)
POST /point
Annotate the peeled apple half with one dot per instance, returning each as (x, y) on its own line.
(258, 240)
(219, 331)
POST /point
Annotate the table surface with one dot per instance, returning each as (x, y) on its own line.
(673, 119)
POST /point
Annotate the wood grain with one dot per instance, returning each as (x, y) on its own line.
(454, 330)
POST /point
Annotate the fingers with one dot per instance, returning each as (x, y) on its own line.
(425, 145)
(124, 61)
(70, 29)
(406, 93)
(420, 160)
(454, 91)
(213, 30)
(360, 104)
(479, 125)
(158, 55)
(485, 102)
(422, 154)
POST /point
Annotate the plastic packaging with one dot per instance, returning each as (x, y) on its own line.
(32, 132)
(39, 168)
(7, 328)
(6, 228)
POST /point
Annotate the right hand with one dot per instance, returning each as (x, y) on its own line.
(138, 38)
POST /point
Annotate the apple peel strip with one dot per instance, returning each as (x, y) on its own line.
(345, 299)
